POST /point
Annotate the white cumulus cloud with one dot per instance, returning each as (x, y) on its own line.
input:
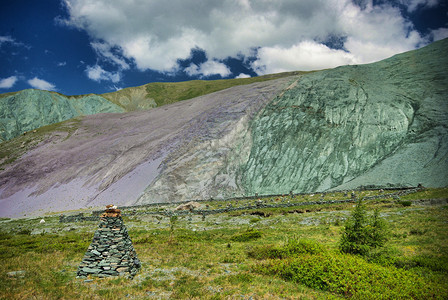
(412, 5)
(97, 73)
(440, 34)
(157, 34)
(105, 51)
(305, 56)
(208, 68)
(8, 82)
(243, 75)
(41, 84)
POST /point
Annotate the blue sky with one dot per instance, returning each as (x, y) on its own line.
(98, 46)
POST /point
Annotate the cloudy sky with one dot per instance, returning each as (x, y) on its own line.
(84, 46)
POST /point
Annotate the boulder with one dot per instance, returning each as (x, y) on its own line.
(189, 206)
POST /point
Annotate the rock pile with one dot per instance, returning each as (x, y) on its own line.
(189, 206)
(111, 252)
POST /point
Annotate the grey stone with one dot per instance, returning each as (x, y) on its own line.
(122, 269)
(91, 271)
(20, 273)
(104, 263)
(111, 272)
(113, 262)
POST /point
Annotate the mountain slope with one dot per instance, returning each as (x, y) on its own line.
(157, 94)
(101, 158)
(30, 109)
(382, 124)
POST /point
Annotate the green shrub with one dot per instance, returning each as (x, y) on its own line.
(25, 232)
(352, 276)
(246, 236)
(417, 231)
(362, 234)
(435, 264)
(254, 220)
(385, 256)
(405, 203)
(291, 248)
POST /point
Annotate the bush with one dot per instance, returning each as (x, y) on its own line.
(405, 203)
(249, 235)
(362, 234)
(254, 220)
(417, 231)
(434, 264)
(291, 248)
(25, 232)
(352, 276)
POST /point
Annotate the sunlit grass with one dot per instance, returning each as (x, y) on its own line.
(202, 259)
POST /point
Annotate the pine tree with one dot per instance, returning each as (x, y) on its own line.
(361, 234)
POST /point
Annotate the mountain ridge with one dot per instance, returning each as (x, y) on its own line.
(58, 107)
(382, 124)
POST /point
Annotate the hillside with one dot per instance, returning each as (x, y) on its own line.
(31, 109)
(156, 94)
(382, 124)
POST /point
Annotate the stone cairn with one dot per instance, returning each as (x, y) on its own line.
(111, 252)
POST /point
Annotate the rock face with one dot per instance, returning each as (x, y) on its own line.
(382, 124)
(111, 252)
(377, 124)
(31, 109)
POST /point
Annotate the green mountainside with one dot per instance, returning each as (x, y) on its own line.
(389, 119)
(30, 109)
(383, 124)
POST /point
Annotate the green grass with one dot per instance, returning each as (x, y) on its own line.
(291, 259)
(427, 194)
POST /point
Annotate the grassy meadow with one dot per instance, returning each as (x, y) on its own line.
(276, 253)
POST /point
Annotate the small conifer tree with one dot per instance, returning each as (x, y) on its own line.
(361, 234)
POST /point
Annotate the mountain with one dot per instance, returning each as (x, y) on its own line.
(382, 124)
(30, 109)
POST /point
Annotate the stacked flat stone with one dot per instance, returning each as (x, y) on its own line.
(111, 252)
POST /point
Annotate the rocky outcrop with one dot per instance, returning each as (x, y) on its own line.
(382, 124)
(31, 109)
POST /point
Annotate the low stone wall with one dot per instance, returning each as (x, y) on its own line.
(77, 218)
(395, 195)
(132, 210)
(257, 196)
